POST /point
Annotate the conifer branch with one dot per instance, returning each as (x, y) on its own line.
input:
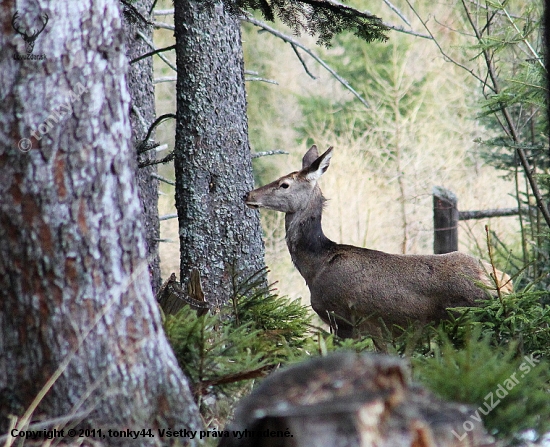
(294, 42)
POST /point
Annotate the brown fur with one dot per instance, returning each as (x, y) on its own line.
(358, 287)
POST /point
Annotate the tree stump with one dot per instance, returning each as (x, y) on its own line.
(349, 400)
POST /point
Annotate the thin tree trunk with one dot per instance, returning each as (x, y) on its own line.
(142, 93)
(219, 236)
(75, 294)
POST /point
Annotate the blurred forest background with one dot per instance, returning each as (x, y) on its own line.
(424, 128)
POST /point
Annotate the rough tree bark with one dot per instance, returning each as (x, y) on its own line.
(142, 93)
(74, 286)
(218, 234)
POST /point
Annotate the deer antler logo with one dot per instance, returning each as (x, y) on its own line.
(28, 38)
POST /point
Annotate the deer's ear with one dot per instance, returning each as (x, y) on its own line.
(319, 166)
(310, 157)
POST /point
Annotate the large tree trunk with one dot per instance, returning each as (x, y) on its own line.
(219, 236)
(75, 294)
(142, 93)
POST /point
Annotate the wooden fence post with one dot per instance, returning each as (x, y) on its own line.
(445, 220)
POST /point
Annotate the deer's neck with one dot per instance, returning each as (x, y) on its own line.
(307, 244)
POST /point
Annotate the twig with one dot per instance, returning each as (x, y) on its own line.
(164, 25)
(163, 12)
(454, 30)
(160, 119)
(400, 29)
(146, 146)
(494, 275)
(168, 216)
(445, 55)
(151, 45)
(399, 13)
(524, 39)
(141, 120)
(290, 40)
(299, 56)
(482, 6)
(511, 256)
(38, 426)
(152, 53)
(163, 179)
(135, 11)
(256, 78)
(166, 159)
(203, 385)
(165, 79)
(152, 7)
(266, 153)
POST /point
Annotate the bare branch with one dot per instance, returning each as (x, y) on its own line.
(168, 216)
(134, 12)
(141, 120)
(160, 119)
(163, 12)
(165, 79)
(398, 12)
(445, 55)
(292, 41)
(256, 78)
(400, 29)
(152, 53)
(524, 39)
(266, 153)
(166, 159)
(482, 6)
(299, 56)
(163, 179)
(152, 45)
(164, 25)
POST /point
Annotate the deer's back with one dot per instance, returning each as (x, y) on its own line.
(396, 288)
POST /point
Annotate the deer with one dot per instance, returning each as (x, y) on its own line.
(359, 289)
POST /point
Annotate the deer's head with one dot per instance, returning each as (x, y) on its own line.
(291, 193)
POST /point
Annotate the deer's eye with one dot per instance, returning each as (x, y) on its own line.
(284, 185)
